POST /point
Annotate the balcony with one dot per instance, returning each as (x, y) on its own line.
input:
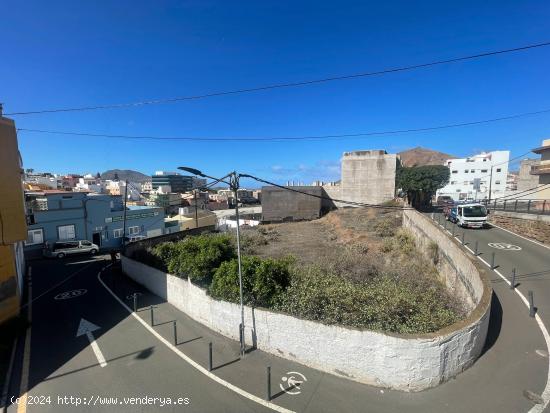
(541, 169)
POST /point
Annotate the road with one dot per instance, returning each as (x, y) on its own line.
(141, 361)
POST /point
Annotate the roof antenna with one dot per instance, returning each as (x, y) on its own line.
(1, 107)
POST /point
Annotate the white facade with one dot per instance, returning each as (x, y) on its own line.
(465, 170)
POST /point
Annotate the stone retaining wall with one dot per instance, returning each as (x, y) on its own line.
(404, 362)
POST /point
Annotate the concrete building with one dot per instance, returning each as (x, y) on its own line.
(44, 179)
(526, 180)
(178, 183)
(182, 222)
(542, 170)
(13, 228)
(58, 216)
(465, 171)
(368, 176)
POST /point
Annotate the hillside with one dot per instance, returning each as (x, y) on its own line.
(132, 176)
(423, 156)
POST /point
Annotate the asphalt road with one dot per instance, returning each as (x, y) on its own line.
(139, 363)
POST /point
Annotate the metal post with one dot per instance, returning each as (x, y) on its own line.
(152, 319)
(175, 333)
(196, 209)
(531, 304)
(453, 234)
(463, 238)
(210, 356)
(124, 217)
(543, 205)
(445, 224)
(493, 261)
(135, 302)
(433, 217)
(528, 205)
(268, 392)
(513, 283)
(491, 184)
(504, 206)
(475, 250)
(516, 205)
(235, 185)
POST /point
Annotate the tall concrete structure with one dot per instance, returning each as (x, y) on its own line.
(526, 180)
(368, 176)
(542, 170)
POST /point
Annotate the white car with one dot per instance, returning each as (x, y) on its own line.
(61, 249)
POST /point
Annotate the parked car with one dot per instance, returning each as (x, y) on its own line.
(444, 200)
(61, 249)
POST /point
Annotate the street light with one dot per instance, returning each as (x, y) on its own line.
(234, 186)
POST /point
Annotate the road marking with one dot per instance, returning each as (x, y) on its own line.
(292, 382)
(538, 408)
(24, 384)
(504, 246)
(70, 294)
(193, 363)
(85, 327)
(521, 236)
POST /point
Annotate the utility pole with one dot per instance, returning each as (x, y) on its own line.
(490, 184)
(234, 180)
(124, 216)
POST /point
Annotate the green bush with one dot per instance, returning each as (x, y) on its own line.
(384, 303)
(263, 280)
(196, 257)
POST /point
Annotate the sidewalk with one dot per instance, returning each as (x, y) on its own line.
(472, 390)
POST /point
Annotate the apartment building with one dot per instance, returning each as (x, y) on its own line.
(490, 169)
(13, 228)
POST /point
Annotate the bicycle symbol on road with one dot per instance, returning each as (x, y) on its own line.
(293, 380)
(70, 294)
(504, 246)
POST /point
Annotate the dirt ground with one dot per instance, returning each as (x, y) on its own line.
(328, 237)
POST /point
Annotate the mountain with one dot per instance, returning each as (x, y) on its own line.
(132, 176)
(422, 156)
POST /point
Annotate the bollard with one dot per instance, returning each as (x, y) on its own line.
(433, 219)
(445, 224)
(492, 260)
(175, 333)
(463, 238)
(513, 283)
(268, 392)
(453, 233)
(135, 303)
(210, 356)
(531, 305)
(475, 250)
(152, 319)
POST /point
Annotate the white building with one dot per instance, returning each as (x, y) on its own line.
(465, 171)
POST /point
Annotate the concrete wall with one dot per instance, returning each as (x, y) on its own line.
(404, 362)
(368, 176)
(285, 205)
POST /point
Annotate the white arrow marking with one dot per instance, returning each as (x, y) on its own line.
(85, 327)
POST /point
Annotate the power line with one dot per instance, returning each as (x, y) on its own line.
(282, 85)
(289, 138)
(518, 195)
(354, 203)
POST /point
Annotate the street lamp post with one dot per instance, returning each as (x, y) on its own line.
(234, 186)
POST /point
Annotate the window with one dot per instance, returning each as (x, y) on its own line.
(466, 182)
(484, 159)
(466, 171)
(65, 232)
(453, 182)
(455, 171)
(133, 230)
(458, 190)
(484, 171)
(86, 243)
(497, 182)
(35, 236)
(473, 170)
(117, 233)
(499, 169)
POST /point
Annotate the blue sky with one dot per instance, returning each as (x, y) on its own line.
(62, 54)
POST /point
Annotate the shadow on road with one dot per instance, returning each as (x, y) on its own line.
(495, 324)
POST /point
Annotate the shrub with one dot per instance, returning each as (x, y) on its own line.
(385, 227)
(263, 280)
(384, 303)
(198, 257)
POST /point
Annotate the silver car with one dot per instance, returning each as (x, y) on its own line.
(61, 249)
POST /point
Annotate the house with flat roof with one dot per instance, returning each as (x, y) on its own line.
(60, 216)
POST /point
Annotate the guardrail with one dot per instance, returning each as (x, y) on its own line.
(529, 206)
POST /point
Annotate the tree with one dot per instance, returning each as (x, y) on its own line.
(421, 182)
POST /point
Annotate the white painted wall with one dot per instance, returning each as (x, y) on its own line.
(406, 362)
